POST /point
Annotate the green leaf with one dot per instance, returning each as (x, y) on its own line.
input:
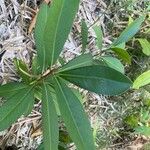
(80, 61)
(78, 95)
(98, 79)
(59, 22)
(23, 70)
(142, 80)
(49, 120)
(41, 147)
(145, 44)
(11, 88)
(15, 106)
(35, 66)
(99, 35)
(74, 117)
(122, 46)
(84, 35)
(122, 54)
(39, 35)
(129, 32)
(144, 130)
(113, 63)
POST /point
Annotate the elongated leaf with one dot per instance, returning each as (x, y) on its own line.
(145, 44)
(49, 120)
(74, 117)
(60, 19)
(23, 70)
(84, 35)
(113, 63)
(39, 35)
(98, 79)
(99, 35)
(11, 88)
(29, 107)
(15, 106)
(129, 32)
(142, 80)
(122, 54)
(80, 61)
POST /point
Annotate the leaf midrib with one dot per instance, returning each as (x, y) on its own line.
(49, 125)
(73, 66)
(13, 90)
(44, 47)
(55, 35)
(87, 77)
(69, 110)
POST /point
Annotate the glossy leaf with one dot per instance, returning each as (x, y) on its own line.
(74, 117)
(60, 19)
(84, 35)
(145, 44)
(129, 32)
(98, 79)
(99, 35)
(39, 35)
(15, 106)
(80, 61)
(114, 63)
(142, 80)
(122, 54)
(49, 120)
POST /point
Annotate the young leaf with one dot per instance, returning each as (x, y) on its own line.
(99, 35)
(142, 80)
(145, 44)
(98, 79)
(59, 22)
(49, 120)
(129, 32)
(80, 61)
(39, 35)
(74, 117)
(15, 106)
(84, 35)
(113, 63)
(122, 54)
(23, 70)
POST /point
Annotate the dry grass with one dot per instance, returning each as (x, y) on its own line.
(17, 19)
